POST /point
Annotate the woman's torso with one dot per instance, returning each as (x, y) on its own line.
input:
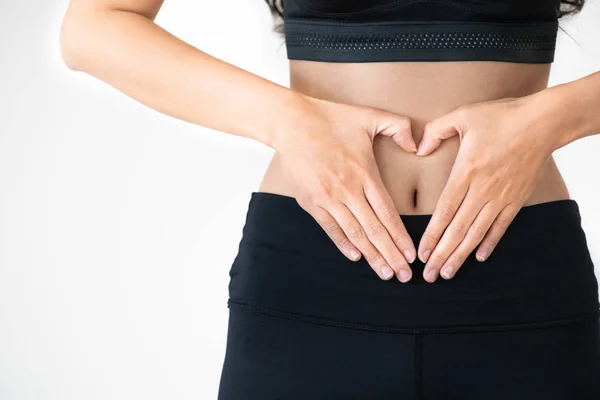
(421, 91)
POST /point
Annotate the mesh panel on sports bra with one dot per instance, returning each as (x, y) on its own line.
(421, 30)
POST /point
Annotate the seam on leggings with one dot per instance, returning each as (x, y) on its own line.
(418, 363)
(445, 329)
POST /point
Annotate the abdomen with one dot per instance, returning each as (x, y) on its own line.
(422, 91)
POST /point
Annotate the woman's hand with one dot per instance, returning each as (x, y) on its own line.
(328, 156)
(503, 148)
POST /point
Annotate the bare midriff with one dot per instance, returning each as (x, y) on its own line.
(422, 91)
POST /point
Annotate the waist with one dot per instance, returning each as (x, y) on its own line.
(540, 272)
(421, 91)
(415, 183)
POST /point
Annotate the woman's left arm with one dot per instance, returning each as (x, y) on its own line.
(504, 146)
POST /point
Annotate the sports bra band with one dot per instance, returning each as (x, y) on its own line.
(337, 41)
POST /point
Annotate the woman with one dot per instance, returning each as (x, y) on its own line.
(415, 139)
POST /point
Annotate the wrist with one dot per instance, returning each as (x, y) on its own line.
(296, 113)
(558, 114)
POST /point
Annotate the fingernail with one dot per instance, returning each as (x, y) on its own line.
(386, 272)
(354, 254)
(404, 275)
(409, 256)
(431, 275)
(482, 256)
(448, 272)
(426, 254)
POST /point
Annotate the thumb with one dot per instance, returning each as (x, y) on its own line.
(398, 127)
(437, 130)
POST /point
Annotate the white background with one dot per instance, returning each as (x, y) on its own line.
(118, 225)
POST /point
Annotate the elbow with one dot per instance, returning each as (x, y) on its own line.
(70, 42)
(76, 35)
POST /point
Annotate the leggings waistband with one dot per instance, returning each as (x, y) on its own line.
(539, 272)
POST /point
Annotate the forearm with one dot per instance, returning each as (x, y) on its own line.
(136, 56)
(568, 111)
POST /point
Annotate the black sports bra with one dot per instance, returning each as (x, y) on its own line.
(522, 31)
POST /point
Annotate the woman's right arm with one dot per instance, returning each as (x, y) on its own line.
(326, 147)
(118, 42)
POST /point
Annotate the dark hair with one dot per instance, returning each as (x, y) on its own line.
(565, 7)
(276, 7)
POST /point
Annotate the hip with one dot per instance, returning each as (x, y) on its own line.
(540, 272)
(523, 324)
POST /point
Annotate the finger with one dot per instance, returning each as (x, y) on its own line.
(497, 230)
(355, 232)
(446, 207)
(475, 235)
(386, 212)
(439, 129)
(335, 232)
(378, 235)
(398, 127)
(453, 235)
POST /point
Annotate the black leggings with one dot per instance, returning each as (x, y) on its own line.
(307, 323)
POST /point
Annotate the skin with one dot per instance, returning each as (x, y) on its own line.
(347, 152)
(484, 193)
